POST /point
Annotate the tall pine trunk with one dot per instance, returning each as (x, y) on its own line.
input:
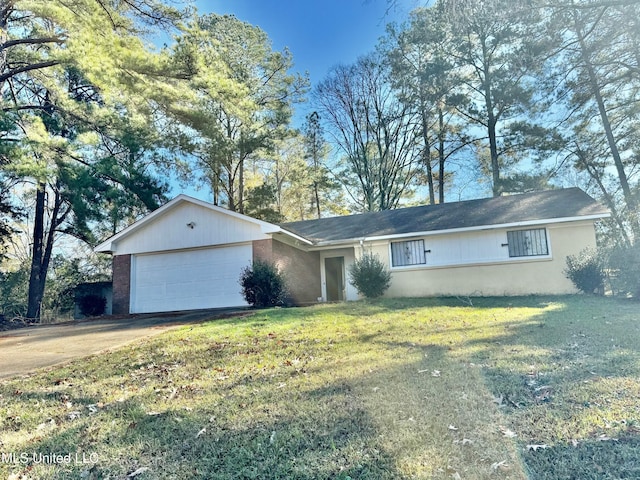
(426, 156)
(596, 91)
(42, 250)
(36, 290)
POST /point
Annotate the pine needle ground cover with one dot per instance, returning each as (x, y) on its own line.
(540, 388)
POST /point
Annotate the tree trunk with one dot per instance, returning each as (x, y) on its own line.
(441, 155)
(35, 276)
(5, 10)
(42, 249)
(492, 121)
(426, 156)
(316, 193)
(241, 187)
(608, 129)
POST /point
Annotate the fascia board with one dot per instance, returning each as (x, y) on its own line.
(291, 234)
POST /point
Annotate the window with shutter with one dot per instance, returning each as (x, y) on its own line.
(408, 253)
(528, 243)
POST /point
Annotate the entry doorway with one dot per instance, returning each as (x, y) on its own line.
(334, 276)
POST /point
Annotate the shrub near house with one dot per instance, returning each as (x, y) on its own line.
(263, 285)
(586, 271)
(370, 276)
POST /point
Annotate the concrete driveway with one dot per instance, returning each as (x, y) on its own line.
(27, 349)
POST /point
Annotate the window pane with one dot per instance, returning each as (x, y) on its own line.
(528, 243)
(408, 253)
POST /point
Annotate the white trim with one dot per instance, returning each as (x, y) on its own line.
(132, 282)
(190, 249)
(265, 227)
(292, 235)
(509, 261)
(428, 233)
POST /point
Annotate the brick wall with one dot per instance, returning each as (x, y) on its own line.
(121, 284)
(263, 250)
(301, 269)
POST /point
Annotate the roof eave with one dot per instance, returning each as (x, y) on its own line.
(292, 235)
(526, 223)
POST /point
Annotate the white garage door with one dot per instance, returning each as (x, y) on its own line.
(189, 279)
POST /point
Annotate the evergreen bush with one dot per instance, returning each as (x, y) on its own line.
(370, 276)
(586, 271)
(263, 285)
(624, 264)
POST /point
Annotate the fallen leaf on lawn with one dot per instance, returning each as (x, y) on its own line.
(73, 415)
(543, 387)
(452, 427)
(453, 473)
(574, 442)
(507, 433)
(48, 424)
(139, 471)
(500, 465)
(93, 408)
(201, 432)
(435, 373)
(537, 447)
(272, 438)
(464, 441)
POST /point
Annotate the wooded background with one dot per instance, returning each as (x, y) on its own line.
(466, 98)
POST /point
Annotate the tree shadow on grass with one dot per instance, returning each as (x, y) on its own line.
(342, 428)
(331, 436)
(587, 460)
(567, 379)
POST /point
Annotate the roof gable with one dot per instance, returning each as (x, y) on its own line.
(186, 222)
(551, 205)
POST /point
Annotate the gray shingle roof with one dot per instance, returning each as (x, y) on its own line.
(547, 205)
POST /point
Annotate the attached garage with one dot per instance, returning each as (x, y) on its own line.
(187, 255)
(188, 279)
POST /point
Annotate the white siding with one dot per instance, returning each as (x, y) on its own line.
(171, 232)
(464, 249)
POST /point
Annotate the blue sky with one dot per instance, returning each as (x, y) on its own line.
(319, 33)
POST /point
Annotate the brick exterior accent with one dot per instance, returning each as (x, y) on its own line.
(121, 265)
(301, 269)
(263, 250)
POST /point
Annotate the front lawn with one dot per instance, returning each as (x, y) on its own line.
(540, 388)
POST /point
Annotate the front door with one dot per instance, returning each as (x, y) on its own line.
(334, 275)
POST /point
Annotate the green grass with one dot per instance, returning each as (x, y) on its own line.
(540, 388)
